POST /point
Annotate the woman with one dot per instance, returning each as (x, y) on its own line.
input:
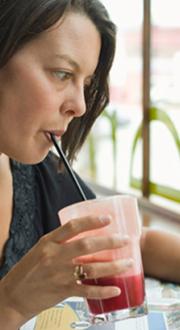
(54, 64)
(55, 59)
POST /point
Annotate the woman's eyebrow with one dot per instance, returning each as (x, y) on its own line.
(68, 59)
(73, 63)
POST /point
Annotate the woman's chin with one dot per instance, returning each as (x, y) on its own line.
(30, 159)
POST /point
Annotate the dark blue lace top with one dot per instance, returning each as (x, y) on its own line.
(39, 191)
(23, 232)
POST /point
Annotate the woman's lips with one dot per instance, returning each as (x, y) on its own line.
(57, 134)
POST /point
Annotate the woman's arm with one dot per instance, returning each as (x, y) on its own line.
(9, 318)
(161, 254)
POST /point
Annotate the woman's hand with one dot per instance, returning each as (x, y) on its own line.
(45, 277)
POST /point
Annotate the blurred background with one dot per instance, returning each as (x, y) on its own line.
(134, 147)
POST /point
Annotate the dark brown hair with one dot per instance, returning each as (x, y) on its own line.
(23, 20)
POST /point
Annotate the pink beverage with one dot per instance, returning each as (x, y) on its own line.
(134, 285)
(124, 212)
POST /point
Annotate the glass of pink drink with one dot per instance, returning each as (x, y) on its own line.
(125, 221)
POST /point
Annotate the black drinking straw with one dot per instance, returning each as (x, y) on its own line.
(68, 167)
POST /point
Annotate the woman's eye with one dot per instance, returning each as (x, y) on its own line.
(62, 75)
(88, 82)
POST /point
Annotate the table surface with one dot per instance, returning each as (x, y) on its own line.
(163, 303)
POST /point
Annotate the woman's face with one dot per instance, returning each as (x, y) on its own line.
(42, 87)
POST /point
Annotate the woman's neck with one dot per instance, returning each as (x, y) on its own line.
(5, 170)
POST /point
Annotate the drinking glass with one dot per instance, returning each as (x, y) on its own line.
(124, 212)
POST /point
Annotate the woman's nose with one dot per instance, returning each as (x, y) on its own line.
(76, 103)
(80, 102)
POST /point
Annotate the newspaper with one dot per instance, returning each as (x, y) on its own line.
(65, 317)
(163, 303)
(165, 298)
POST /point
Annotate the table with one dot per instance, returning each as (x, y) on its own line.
(163, 303)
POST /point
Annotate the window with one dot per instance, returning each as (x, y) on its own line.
(113, 155)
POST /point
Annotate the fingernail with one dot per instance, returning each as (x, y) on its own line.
(128, 262)
(125, 239)
(116, 291)
(122, 239)
(105, 218)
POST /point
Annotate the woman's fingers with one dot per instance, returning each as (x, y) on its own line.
(53, 256)
(84, 245)
(57, 255)
(101, 269)
(88, 287)
(97, 292)
(90, 245)
(77, 226)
